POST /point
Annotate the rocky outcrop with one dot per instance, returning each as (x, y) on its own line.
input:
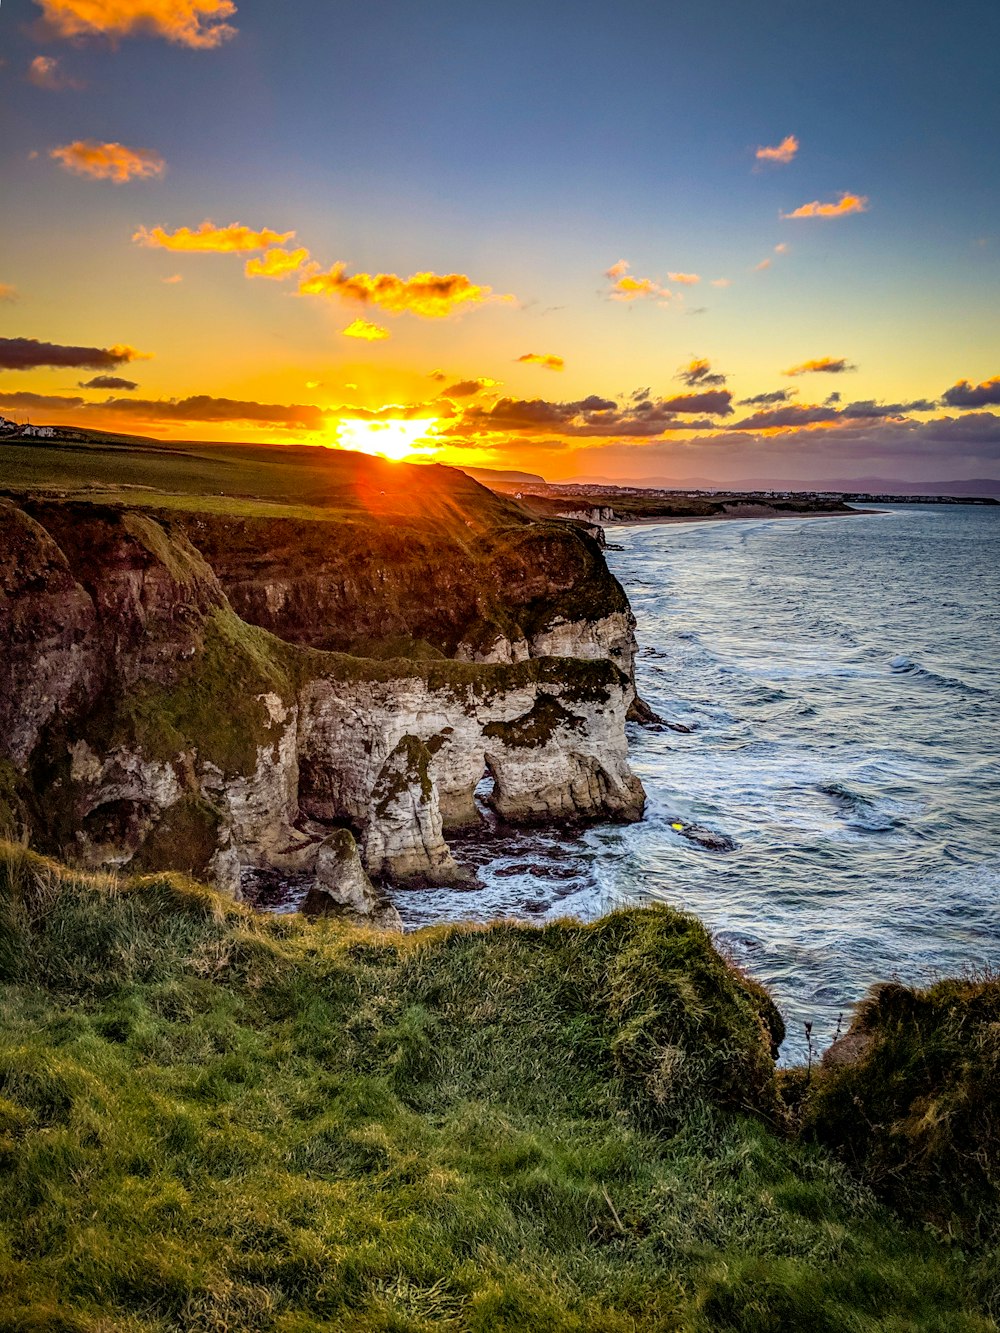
(151, 726)
(342, 887)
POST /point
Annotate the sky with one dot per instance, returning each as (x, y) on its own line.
(728, 242)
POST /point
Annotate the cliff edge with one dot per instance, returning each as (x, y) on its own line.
(209, 683)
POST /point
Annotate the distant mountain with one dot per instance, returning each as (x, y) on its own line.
(489, 476)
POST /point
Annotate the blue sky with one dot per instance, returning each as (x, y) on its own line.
(529, 148)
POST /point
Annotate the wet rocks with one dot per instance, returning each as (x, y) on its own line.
(711, 839)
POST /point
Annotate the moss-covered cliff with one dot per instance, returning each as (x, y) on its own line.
(150, 722)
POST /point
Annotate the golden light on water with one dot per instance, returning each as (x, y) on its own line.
(391, 438)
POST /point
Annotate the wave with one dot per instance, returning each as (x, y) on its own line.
(906, 666)
(861, 809)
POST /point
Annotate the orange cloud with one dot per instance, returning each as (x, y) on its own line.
(196, 23)
(7, 292)
(173, 279)
(467, 388)
(108, 161)
(545, 359)
(722, 282)
(828, 365)
(782, 152)
(430, 295)
(686, 279)
(764, 263)
(44, 72)
(847, 203)
(369, 332)
(626, 288)
(210, 239)
(276, 263)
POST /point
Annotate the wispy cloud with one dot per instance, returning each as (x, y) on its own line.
(722, 282)
(173, 279)
(547, 360)
(626, 288)
(371, 333)
(764, 263)
(429, 295)
(964, 394)
(825, 365)
(47, 72)
(108, 161)
(276, 263)
(210, 239)
(685, 279)
(8, 292)
(29, 353)
(698, 371)
(768, 399)
(200, 24)
(847, 203)
(780, 153)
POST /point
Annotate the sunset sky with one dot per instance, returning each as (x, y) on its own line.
(728, 241)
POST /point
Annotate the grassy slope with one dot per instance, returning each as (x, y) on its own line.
(215, 1121)
(252, 480)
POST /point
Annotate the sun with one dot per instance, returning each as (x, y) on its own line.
(392, 438)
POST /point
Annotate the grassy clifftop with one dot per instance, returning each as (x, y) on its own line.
(210, 1120)
(330, 548)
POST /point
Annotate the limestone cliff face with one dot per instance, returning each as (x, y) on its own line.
(147, 724)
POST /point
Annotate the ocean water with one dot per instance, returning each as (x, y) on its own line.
(841, 679)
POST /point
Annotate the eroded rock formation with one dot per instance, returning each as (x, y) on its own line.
(147, 724)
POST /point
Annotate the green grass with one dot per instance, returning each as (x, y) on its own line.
(212, 1121)
(918, 1113)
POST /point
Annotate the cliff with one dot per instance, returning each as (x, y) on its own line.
(206, 686)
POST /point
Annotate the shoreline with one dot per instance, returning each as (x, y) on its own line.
(724, 518)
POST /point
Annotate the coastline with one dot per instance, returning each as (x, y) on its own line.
(724, 518)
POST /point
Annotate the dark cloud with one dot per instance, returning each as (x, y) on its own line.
(108, 382)
(871, 410)
(832, 398)
(775, 396)
(698, 373)
(595, 416)
(717, 402)
(201, 407)
(794, 414)
(466, 388)
(29, 353)
(38, 401)
(963, 394)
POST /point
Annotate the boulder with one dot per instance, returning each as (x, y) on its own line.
(342, 887)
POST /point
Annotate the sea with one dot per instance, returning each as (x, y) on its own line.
(839, 681)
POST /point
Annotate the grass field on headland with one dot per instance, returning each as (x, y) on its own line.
(214, 1120)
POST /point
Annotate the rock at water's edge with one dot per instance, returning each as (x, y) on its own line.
(343, 887)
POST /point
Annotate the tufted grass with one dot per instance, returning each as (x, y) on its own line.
(215, 1121)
